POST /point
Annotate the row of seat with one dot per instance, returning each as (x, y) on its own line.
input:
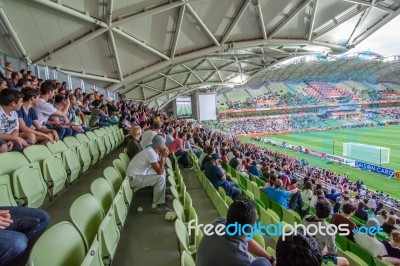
(271, 212)
(27, 178)
(97, 221)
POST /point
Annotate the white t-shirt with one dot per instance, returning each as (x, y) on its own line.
(43, 111)
(8, 123)
(147, 137)
(230, 156)
(373, 245)
(141, 163)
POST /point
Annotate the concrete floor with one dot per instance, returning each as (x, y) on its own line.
(147, 238)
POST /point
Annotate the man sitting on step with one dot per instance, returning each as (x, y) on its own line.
(147, 168)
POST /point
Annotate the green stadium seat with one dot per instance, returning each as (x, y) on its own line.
(6, 195)
(355, 260)
(99, 141)
(289, 216)
(91, 146)
(113, 177)
(52, 167)
(128, 193)
(178, 209)
(182, 234)
(186, 259)
(222, 193)
(249, 194)
(27, 181)
(69, 158)
(259, 238)
(342, 241)
(82, 150)
(273, 214)
(86, 214)
(108, 236)
(361, 253)
(222, 207)
(228, 200)
(121, 211)
(93, 256)
(265, 199)
(120, 166)
(61, 245)
(103, 192)
(188, 203)
(125, 159)
(379, 262)
(277, 208)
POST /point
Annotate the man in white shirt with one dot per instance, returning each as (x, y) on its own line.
(147, 168)
(369, 242)
(149, 134)
(45, 109)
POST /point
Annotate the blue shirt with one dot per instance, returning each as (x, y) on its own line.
(214, 174)
(332, 197)
(27, 117)
(278, 195)
(254, 170)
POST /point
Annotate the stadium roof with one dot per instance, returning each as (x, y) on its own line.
(155, 50)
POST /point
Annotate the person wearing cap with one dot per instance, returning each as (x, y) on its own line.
(217, 177)
(147, 168)
(348, 211)
(369, 241)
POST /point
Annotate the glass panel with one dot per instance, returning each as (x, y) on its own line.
(42, 72)
(14, 62)
(75, 83)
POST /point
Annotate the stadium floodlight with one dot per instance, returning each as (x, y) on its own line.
(366, 153)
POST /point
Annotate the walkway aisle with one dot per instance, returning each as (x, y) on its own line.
(148, 239)
(59, 208)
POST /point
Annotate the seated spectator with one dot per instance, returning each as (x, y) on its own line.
(361, 213)
(169, 138)
(279, 195)
(241, 168)
(232, 250)
(298, 250)
(381, 216)
(202, 156)
(74, 112)
(146, 169)
(217, 177)
(307, 192)
(10, 103)
(344, 218)
(44, 110)
(20, 227)
(224, 158)
(176, 147)
(150, 133)
(28, 121)
(369, 242)
(98, 116)
(133, 144)
(389, 225)
(333, 195)
(253, 169)
(325, 240)
(234, 162)
(293, 184)
(190, 146)
(393, 249)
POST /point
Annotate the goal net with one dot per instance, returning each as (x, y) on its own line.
(366, 153)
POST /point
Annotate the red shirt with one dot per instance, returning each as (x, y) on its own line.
(175, 145)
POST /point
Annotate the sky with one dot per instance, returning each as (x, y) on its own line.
(384, 41)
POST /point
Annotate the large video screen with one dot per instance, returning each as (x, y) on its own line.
(207, 106)
(184, 107)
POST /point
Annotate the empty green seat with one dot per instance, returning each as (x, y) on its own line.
(178, 209)
(125, 159)
(86, 214)
(121, 211)
(93, 256)
(265, 199)
(69, 157)
(228, 200)
(127, 191)
(120, 166)
(249, 194)
(101, 147)
(277, 208)
(108, 236)
(103, 192)
(82, 149)
(113, 177)
(61, 245)
(182, 234)
(361, 252)
(52, 166)
(186, 259)
(6, 195)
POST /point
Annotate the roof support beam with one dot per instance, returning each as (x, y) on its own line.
(216, 69)
(177, 31)
(88, 76)
(72, 12)
(78, 41)
(147, 12)
(149, 87)
(140, 43)
(109, 12)
(359, 24)
(194, 73)
(334, 24)
(312, 21)
(202, 24)
(376, 5)
(288, 18)
(174, 80)
(115, 54)
(19, 47)
(235, 21)
(261, 19)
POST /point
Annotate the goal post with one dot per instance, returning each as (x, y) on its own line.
(366, 153)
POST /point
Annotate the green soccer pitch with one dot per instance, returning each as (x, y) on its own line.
(329, 141)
